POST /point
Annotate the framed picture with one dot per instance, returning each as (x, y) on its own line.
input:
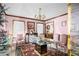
(31, 26)
(48, 27)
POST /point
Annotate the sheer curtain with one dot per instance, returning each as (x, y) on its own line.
(18, 28)
(40, 29)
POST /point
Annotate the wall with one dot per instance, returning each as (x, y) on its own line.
(55, 23)
(58, 28)
(9, 25)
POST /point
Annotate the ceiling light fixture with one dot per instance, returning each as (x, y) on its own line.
(40, 16)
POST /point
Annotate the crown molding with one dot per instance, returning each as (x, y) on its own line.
(24, 17)
(56, 16)
(36, 19)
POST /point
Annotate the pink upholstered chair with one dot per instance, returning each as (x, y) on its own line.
(20, 39)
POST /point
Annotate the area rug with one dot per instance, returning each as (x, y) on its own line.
(28, 50)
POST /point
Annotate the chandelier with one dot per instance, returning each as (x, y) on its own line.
(40, 16)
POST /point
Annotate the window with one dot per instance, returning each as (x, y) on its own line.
(39, 28)
(18, 28)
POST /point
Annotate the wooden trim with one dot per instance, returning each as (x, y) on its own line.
(49, 22)
(24, 17)
(45, 28)
(36, 19)
(56, 17)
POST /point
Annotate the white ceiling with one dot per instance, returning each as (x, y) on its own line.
(30, 9)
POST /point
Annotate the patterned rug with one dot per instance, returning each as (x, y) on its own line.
(28, 50)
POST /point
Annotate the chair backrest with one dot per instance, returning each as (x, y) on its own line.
(20, 38)
(63, 39)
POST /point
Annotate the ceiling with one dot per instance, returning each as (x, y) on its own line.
(30, 9)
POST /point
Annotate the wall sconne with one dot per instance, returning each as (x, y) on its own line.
(64, 23)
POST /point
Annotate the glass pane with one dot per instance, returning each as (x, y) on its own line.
(18, 28)
(75, 29)
(39, 28)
